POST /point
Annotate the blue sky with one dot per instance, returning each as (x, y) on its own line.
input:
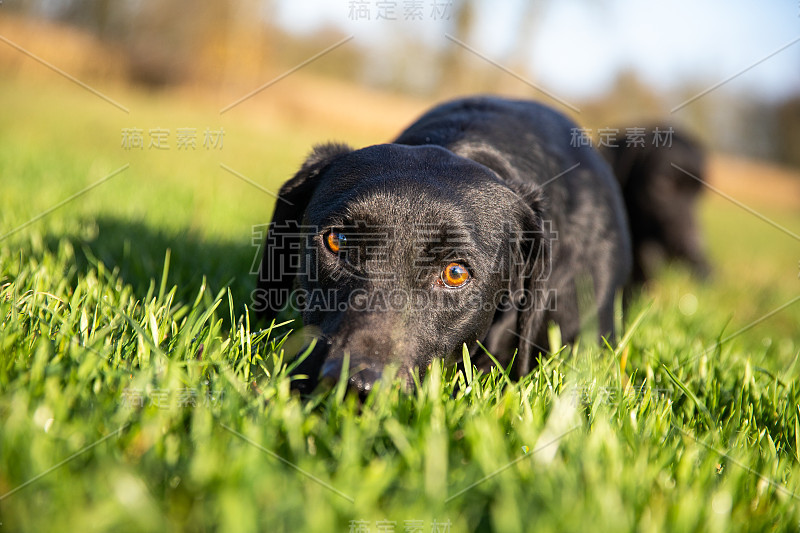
(576, 47)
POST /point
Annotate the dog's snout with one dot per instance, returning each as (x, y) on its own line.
(331, 370)
(363, 380)
(362, 376)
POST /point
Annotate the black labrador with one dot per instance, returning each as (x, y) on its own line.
(660, 179)
(480, 222)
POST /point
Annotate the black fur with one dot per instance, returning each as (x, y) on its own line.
(489, 183)
(661, 200)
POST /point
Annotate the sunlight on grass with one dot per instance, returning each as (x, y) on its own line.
(129, 362)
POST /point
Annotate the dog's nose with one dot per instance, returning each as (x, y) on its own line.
(362, 377)
(363, 380)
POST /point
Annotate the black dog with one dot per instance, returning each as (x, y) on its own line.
(659, 180)
(477, 224)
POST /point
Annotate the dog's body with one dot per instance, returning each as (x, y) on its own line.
(660, 185)
(481, 216)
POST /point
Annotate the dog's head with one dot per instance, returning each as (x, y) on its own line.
(396, 255)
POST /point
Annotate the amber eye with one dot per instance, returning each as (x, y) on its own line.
(335, 241)
(455, 275)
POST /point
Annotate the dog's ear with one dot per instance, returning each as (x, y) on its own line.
(284, 242)
(529, 268)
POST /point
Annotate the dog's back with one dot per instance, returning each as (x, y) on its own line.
(661, 179)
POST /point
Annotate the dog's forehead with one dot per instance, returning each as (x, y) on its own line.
(390, 182)
(393, 158)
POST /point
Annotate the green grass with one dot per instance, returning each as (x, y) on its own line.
(136, 292)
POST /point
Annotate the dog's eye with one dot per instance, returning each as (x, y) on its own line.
(335, 240)
(455, 275)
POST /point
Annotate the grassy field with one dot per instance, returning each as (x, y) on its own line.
(135, 395)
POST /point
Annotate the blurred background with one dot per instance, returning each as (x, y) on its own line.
(605, 61)
(259, 81)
